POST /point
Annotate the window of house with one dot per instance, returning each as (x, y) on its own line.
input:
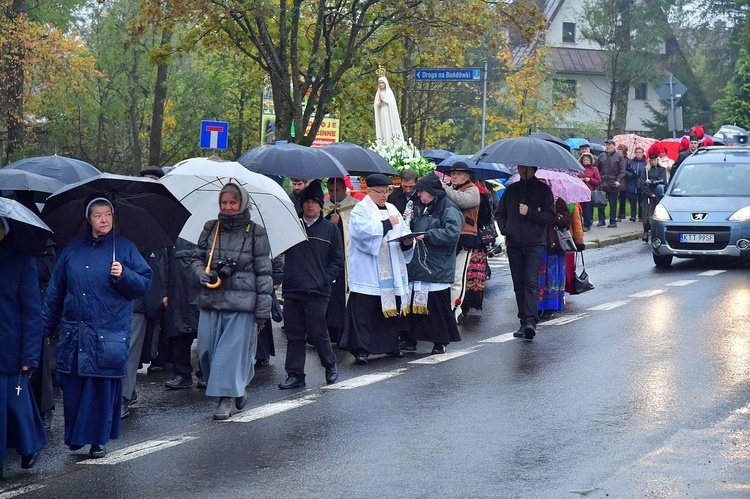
(565, 89)
(641, 91)
(569, 33)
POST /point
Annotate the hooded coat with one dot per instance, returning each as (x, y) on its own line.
(95, 308)
(242, 244)
(435, 259)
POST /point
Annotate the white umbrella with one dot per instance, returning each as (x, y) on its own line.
(196, 183)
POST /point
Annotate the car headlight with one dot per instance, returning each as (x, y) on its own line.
(661, 213)
(741, 215)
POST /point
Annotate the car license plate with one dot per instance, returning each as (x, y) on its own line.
(697, 238)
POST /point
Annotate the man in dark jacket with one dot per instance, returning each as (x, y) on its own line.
(310, 268)
(611, 166)
(526, 208)
(402, 194)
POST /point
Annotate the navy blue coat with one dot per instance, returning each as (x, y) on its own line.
(20, 310)
(95, 308)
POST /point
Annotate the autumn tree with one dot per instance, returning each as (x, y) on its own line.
(526, 102)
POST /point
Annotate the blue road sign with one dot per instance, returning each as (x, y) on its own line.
(214, 134)
(448, 74)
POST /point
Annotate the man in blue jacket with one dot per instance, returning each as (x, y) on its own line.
(310, 268)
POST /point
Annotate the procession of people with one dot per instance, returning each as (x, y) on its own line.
(189, 268)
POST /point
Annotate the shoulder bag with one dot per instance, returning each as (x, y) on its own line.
(581, 282)
(599, 197)
(565, 240)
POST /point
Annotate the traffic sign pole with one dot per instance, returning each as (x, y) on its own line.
(484, 103)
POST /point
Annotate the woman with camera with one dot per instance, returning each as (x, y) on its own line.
(651, 184)
(233, 264)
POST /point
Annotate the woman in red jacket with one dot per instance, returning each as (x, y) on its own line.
(592, 179)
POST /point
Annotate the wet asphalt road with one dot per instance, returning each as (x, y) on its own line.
(631, 392)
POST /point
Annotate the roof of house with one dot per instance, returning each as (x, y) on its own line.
(578, 61)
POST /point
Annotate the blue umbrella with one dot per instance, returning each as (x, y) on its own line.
(482, 170)
(436, 155)
(292, 160)
(576, 142)
(66, 170)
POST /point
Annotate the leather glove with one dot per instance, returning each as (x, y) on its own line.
(580, 247)
(205, 278)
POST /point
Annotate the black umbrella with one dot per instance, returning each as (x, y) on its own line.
(359, 161)
(66, 170)
(550, 138)
(482, 170)
(145, 211)
(27, 231)
(528, 151)
(292, 160)
(437, 155)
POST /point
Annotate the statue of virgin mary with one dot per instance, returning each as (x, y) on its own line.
(387, 122)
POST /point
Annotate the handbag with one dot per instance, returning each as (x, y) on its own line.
(565, 240)
(582, 282)
(488, 235)
(277, 313)
(599, 197)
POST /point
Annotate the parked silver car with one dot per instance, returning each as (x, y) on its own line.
(706, 208)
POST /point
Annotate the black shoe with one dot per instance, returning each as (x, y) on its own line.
(29, 461)
(154, 368)
(439, 348)
(409, 347)
(601, 224)
(586, 228)
(179, 382)
(396, 354)
(261, 362)
(97, 451)
(292, 382)
(360, 359)
(47, 418)
(75, 447)
(239, 402)
(134, 399)
(547, 314)
(125, 408)
(620, 219)
(632, 219)
(200, 383)
(529, 331)
(332, 374)
(645, 237)
(612, 225)
(518, 333)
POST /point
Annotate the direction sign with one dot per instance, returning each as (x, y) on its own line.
(448, 74)
(214, 134)
(676, 91)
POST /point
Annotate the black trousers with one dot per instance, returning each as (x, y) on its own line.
(306, 318)
(525, 265)
(179, 350)
(612, 199)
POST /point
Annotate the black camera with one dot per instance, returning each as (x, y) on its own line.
(225, 268)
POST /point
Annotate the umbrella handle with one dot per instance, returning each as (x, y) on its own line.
(210, 258)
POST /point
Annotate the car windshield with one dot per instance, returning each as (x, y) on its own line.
(712, 179)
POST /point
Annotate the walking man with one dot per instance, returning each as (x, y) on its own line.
(310, 268)
(526, 208)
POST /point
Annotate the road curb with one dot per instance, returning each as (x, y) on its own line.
(624, 238)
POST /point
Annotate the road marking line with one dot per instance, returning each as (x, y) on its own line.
(271, 409)
(499, 339)
(563, 320)
(710, 273)
(436, 359)
(682, 283)
(610, 305)
(19, 491)
(646, 294)
(138, 450)
(365, 379)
